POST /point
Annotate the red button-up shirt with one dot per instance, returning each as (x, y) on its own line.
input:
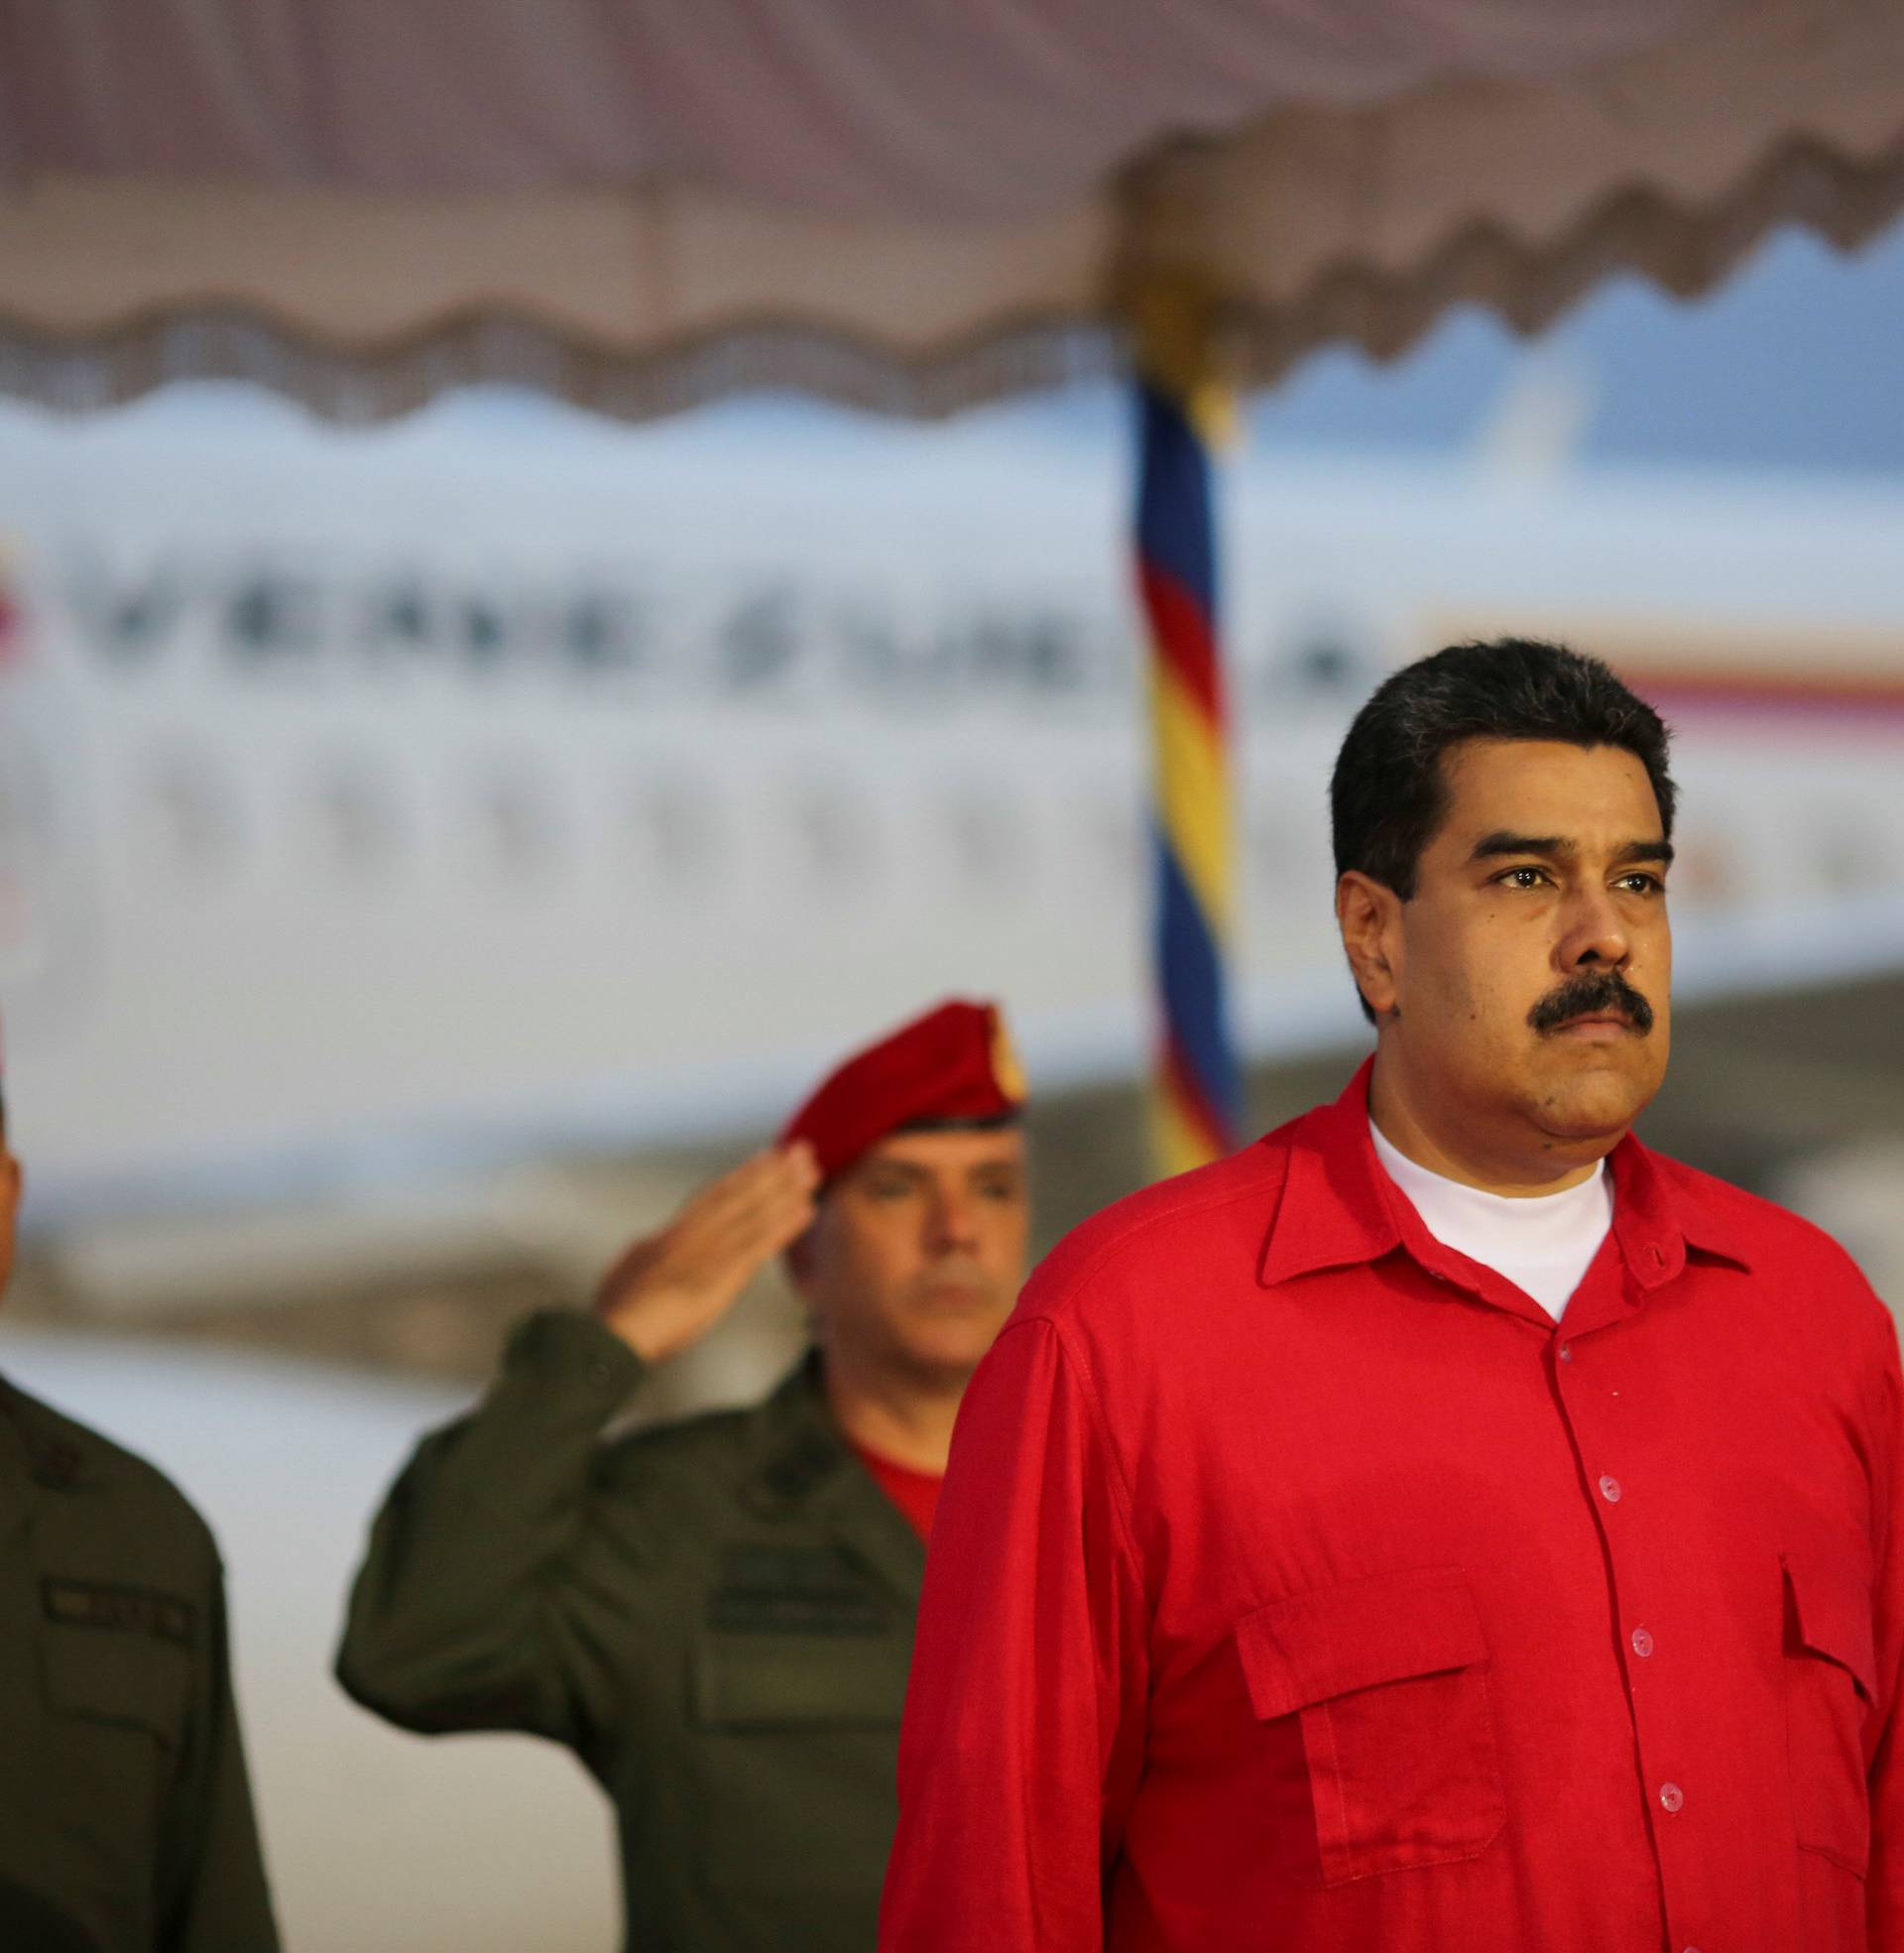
(1298, 1585)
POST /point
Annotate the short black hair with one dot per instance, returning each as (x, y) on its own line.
(1390, 790)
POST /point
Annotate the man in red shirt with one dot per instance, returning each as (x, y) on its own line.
(1445, 1524)
(716, 1615)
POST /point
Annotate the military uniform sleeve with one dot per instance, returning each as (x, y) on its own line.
(460, 1617)
(1024, 1723)
(1885, 1889)
(212, 1897)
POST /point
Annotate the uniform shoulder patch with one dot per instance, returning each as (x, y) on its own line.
(132, 1610)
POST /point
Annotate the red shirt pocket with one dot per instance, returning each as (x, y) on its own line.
(1828, 1686)
(1390, 1678)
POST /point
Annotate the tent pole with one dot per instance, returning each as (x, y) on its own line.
(1184, 412)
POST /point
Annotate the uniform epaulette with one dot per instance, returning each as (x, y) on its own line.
(54, 1460)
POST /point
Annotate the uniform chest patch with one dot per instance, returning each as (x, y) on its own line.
(793, 1590)
(132, 1610)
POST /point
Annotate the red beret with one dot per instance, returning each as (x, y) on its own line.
(952, 1066)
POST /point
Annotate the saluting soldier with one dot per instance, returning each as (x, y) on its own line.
(126, 1823)
(716, 1616)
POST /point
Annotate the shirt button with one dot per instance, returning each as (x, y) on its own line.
(1642, 1642)
(1671, 1797)
(1566, 1352)
(1610, 1489)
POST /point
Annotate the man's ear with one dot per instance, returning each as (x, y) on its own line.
(797, 1259)
(1369, 914)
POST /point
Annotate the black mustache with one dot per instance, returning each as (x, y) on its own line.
(1589, 991)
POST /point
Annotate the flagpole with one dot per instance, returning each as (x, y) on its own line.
(1185, 412)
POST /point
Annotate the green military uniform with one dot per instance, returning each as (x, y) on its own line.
(716, 1616)
(125, 1817)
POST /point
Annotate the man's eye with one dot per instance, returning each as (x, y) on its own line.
(1000, 1189)
(1642, 884)
(888, 1190)
(1525, 878)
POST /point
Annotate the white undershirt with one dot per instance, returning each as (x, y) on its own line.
(1542, 1244)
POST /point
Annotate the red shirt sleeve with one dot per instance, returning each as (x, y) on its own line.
(1024, 1717)
(1886, 1888)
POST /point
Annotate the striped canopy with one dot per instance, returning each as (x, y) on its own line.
(638, 204)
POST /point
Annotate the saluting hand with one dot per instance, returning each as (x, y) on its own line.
(671, 1288)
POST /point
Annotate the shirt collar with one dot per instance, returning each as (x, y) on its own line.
(1335, 1212)
(1331, 1213)
(806, 1468)
(1659, 1215)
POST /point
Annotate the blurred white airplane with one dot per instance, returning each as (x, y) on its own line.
(374, 803)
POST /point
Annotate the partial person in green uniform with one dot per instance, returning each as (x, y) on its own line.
(716, 1616)
(125, 1815)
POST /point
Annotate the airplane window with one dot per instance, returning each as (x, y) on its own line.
(187, 817)
(30, 864)
(1852, 854)
(518, 826)
(357, 818)
(675, 831)
(1114, 841)
(991, 840)
(23, 796)
(835, 836)
(1282, 850)
(1704, 867)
